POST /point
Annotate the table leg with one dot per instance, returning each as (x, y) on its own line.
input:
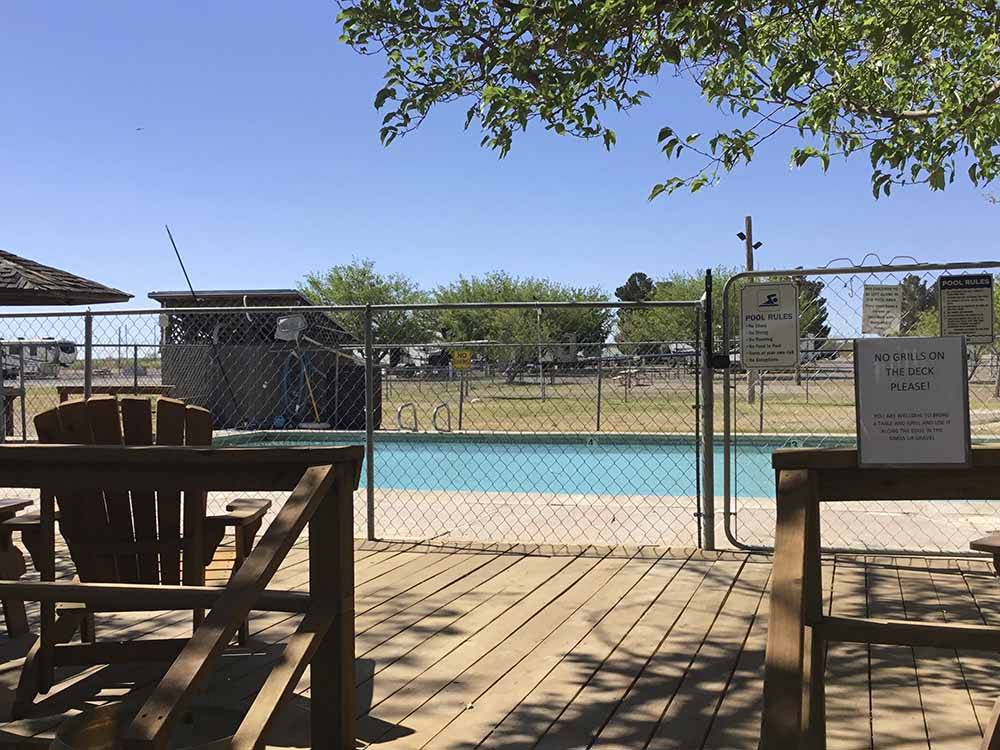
(331, 581)
(781, 726)
(12, 567)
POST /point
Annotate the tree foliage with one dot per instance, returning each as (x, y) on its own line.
(911, 84)
(513, 335)
(813, 315)
(664, 325)
(637, 288)
(918, 297)
(358, 283)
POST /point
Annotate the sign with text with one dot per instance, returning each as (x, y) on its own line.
(461, 359)
(965, 304)
(769, 326)
(912, 401)
(882, 309)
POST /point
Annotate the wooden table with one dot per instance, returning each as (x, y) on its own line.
(794, 697)
(68, 391)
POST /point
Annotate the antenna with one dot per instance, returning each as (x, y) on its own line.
(181, 261)
(194, 296)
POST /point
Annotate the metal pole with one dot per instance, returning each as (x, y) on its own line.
(88, 354)
(3, 393)
(748, 241)
(135, 369)
(541, 372)
(600, 381)
(708, 422)
(24, 399)
(461, 397)
(336, 391)
(763, 378)
(370, 420)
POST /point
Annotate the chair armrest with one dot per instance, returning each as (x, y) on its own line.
(14, 505)
(241, 512)
(26, 521)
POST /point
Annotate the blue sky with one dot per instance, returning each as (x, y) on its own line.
(259, 146)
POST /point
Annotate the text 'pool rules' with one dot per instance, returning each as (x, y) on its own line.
(769, 326)
(912, 401)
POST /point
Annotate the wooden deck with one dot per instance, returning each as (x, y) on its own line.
(560, 649)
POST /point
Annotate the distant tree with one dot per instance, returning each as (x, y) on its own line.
(513, 335)
(813, 315)
(918, 298)
(638, 288)
(358, 283)
(664, 325)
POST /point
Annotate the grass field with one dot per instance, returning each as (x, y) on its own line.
(660, 403)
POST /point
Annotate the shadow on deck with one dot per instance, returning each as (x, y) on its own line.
(560, 648)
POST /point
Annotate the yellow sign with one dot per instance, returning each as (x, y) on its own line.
(461, 360)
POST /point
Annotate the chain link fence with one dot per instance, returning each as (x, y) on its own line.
(812, 405)
(543, 422)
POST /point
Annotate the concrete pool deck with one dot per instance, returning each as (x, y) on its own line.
(555, 518)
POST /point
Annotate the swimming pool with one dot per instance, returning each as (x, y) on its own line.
(564, 464)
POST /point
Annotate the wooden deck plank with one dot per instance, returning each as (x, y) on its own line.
(548, 655)
(848, 701)
(606, 616)
(955, 595)
(638, 715)
(536, 711)
(397, 706)
(737, 721)
(686, 722)
(948, 710)
(897, 711)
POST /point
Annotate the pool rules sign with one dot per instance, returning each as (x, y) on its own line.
(912, 401)
(769, 326)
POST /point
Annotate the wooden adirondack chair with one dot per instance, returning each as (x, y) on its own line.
(136, 537)
(322, 481)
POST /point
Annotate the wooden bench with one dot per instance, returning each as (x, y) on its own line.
(794, 714)
(66, 392)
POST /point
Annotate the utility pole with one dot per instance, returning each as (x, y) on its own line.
(747, 236)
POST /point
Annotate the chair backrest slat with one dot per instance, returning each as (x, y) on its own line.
(106, 429)
(86, 516)
(137, 429)
(169, 431)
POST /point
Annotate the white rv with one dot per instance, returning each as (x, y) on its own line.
(42, 357)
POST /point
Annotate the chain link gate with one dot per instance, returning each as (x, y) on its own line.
(812, 405)
(541, 422)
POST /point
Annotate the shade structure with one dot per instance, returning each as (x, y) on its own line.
(25, 282)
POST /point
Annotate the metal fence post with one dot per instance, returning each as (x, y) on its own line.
(600, 381)
(88, 353)
(135, 368)
(370, 420)
(24, 398)
(708, 421)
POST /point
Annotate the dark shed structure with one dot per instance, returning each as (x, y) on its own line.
(25, 282)
(236, 365)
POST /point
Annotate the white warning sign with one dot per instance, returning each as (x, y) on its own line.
(882, 309)
(769, 326)
(966, 307)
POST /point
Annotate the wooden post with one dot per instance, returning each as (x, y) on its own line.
(781, 727)
(331, 583)
(814, 667)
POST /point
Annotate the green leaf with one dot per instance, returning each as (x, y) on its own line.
(384, 95)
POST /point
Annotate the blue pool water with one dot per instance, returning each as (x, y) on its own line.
(586, 465)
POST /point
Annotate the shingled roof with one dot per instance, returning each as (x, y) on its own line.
(25, 282)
